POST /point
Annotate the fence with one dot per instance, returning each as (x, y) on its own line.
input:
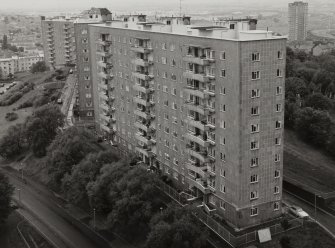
(220, 230)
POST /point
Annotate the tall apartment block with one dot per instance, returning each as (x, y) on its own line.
(204, 105)
(58, 41)
(297, 20)
(85, 92)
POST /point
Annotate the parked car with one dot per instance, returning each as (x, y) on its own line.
(297, 211)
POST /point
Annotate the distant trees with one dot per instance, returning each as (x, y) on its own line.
(6, 193)
(39, 66)
(318, 101)
(4, 42)
(13, 143)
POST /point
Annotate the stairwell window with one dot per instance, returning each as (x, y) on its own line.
(222, 205)
(279, 90)
(254, 128)
(277, 141)
(277, 157)
(279, 73)
(280, 55)
(254, 145)
(276, 206)
(255, 110)
(255, 75)
(276, 190)
(277, 173)
(253, 195)
(223, 55)
(278, 107)
(254, 178)
(255, 57)
(255, 93)
(254, 162)
(253, 211)
(278, 124)
(223, 73)
(223, 188)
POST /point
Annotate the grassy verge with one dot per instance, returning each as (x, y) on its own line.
(309, 236)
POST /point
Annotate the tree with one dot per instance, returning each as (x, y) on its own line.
(67, 150)
(13, 143)
(290, 114)
(318, 101)
(323, 78)
(39, 66)
(4, 42)
(176, 227)
(84, 173)
(6, 193)
(306, 74)
(313, 125)
(295, 86)
(42, 126)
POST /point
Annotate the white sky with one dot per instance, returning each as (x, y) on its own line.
(133, 4)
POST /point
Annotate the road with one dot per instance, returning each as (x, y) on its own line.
(326, 219)
(58, 230)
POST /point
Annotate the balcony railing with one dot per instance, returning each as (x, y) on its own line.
(199, 139)
(202, 156)
(142, 88)
(145, 151)
(141, 126)
(139, 49)
(104, 53)
(201, 77)
(104, 42)
(141, 62)
(144, 139)
(203, 60)
(141, 101)
(104, 64)
(105, 75)
(143, 76)
(199, 184)
(142, 114)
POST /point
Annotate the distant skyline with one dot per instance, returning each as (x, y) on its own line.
(133, 5)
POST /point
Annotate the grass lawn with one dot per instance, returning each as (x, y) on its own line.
(308, 165)
(309, 236)
(22, 113)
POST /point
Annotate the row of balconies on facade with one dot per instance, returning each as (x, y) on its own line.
(200, 60)
(144, 114)
(199, 108)
(200, 139)
(201, 77)
(202, 93)
(202, 125)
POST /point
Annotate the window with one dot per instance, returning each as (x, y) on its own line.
(280, 55)
(254, 162)
(253, 195)
(278, 124)
(222, 107)
(254, 128)
(84, 41)
(175, 161)
(254, 178)
(165, 89)
(211, 199)
(223, 73)
(253, 211)
(278, 107)
(223, 205)
(222, 156)
(173, 62)
(277, 157)
(164, 60)
(254, 145)
(86, 59)
(255, 75)
(222, 141)
(255, 93)
(174, 91)
(86, 68)
(279, 90)
(174, 120)
(167, 143)
(222, 124)
(164, 46)
(174, 106)
(255, 111)
(279, 73)
(222, 90)
(166, 116)
(276, 206)
(277, 173)
(85, 50)
(172, 47)
(164, 74)
(276, 190)
(255, 57)
(173, 77)
(222, 172)
(277, 141)
(222, 55)
(167, 130)
(84, 31)
(223, 188)
(88, 95)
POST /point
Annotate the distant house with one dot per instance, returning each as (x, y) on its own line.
(322, 49)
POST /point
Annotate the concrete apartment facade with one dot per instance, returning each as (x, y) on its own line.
(203, 105)
(85, 92)
(9, 66)
(297, 20)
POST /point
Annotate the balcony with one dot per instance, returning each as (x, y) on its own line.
(105, 128)
(141, 126)
(198, 60)
(141, 62)
(104, 107)
(140, 75)
(144, 139)
(103, 86)
(139, 49)
(141, 101)
(197, 139)
(104, 64)
(210, 170)
(105, 117)
(198, 124)
(103, 96)
(104, 42)
(197, 169)
(142, 114)
(201, 77)
(199, 108)
(199, 184)
(105, 75)
(104, 53)
(145, 151)
(196, 92)
(202, 156)
(142, 89)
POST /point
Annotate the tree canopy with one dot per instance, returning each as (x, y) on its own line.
(6, 193)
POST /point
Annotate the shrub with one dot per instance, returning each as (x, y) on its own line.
(285, 224)
(11, 116)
